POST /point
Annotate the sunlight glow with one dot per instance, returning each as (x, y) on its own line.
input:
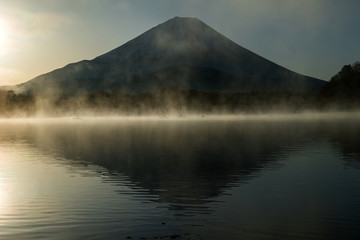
(4, 31)
(6, 188)
(2, 196)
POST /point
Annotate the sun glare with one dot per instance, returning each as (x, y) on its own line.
(3, 37)
(2, 196)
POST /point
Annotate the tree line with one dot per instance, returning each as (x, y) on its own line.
(340, 93)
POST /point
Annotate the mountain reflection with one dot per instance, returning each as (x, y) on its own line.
(164, 179)
(180, 162)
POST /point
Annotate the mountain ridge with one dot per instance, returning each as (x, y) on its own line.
(141, 64)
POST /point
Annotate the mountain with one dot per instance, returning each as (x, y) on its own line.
(184, 53)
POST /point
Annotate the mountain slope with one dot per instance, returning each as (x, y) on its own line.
(181, 52)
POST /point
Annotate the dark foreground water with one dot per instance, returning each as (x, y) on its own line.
(180, 179)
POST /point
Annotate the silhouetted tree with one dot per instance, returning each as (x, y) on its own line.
(344, 87)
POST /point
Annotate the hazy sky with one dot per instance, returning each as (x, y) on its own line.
(312, 37)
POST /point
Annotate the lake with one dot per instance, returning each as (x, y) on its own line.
(269, 177)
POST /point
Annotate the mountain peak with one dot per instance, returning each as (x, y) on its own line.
(176, 24)
(177, 36)
(182, 52)
(183, 20)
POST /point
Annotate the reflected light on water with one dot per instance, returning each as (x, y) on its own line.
(2, 194)
(119, 179)
(5, 187)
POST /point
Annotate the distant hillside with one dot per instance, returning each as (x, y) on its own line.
(183, 53)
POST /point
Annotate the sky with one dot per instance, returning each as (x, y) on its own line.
(311, 37)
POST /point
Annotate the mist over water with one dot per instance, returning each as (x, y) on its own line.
(179, 134)
(248, 177)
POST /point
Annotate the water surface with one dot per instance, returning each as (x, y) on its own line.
(180, 179)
